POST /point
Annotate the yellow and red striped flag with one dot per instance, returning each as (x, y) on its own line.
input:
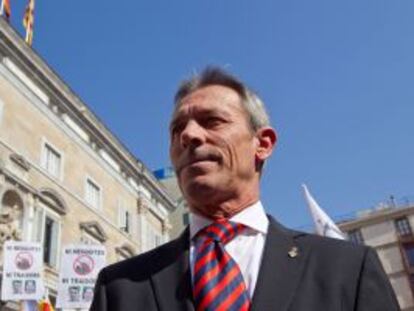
(28, 21)
(6, 9)
(45, 305)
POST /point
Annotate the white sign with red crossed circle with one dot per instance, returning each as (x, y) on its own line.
(22, 271)
(78, 271)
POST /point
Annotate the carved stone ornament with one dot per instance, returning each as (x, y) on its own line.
(20, 161)
(143, 206)
(94, 229)
(125, 250)
(9, 224)
(166, 226)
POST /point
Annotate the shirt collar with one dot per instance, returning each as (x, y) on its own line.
(253, 217)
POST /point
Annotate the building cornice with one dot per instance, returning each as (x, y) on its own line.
(376, 217)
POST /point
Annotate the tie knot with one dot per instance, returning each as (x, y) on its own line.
(221, 231)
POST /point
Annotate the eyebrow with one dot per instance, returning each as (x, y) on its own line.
(220, 111)
(173, 123)
(204, 112)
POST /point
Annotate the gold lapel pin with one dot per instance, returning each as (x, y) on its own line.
(293, 252)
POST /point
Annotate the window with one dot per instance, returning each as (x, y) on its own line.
(154, 238)
(48, 233)
(93, 194)
(51, 160)
(186, 219)
(49, 241)
(355, 236)
(409, 253)
(403, 227)
(124, 219)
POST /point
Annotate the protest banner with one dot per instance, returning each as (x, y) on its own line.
(79, 268)
(22, 271)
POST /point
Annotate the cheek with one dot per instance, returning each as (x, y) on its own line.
(245, 154)
(238, 154)
(174, 154)
(225, 147)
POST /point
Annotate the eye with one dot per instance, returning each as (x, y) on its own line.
(176, 128)
(212, 121)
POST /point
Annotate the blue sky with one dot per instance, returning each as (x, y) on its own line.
(336, 76)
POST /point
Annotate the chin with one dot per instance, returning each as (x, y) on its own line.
(199, 190)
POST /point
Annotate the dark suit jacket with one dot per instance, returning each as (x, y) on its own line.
(325, 274)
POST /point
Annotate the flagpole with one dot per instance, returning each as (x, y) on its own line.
(27, 33)
(32, 24)
(29, 22)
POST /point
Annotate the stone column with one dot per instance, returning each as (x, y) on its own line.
(166, 227)
(28, 217)
(2, 183)
(142, 211)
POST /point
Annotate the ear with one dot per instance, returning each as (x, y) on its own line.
(266, 139)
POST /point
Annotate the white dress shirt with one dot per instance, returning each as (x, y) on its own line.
(246, 248)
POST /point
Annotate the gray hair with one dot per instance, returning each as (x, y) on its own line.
(251, 102)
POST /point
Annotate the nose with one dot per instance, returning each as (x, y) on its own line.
(192, 135)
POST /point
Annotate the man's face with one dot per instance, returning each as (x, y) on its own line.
(212, 147)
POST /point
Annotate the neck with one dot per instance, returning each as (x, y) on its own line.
(225, 208)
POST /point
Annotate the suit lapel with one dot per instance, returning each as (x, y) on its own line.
(172, 285)
(282, 265)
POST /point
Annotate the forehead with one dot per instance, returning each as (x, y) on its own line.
(213, 98)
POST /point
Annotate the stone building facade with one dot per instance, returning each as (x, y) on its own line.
(64, 177)
(180, 217)
(389, 231)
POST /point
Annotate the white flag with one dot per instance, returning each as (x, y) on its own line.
(323, 223)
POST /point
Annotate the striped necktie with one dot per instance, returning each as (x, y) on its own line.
(217, 280)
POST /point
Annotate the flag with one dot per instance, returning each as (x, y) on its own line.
(28, 21)
(323, 223)
(28, 305)
(5, 9)
(45, 305)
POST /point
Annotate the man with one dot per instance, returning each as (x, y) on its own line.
(233, 256)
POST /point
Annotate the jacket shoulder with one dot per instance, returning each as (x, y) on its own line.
(333, 252)
(328, 243)
(323, 249)
(144, 265)
(319, 243)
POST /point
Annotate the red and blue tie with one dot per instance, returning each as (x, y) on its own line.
(218, 284)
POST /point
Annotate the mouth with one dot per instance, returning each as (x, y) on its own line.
(193, 161)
